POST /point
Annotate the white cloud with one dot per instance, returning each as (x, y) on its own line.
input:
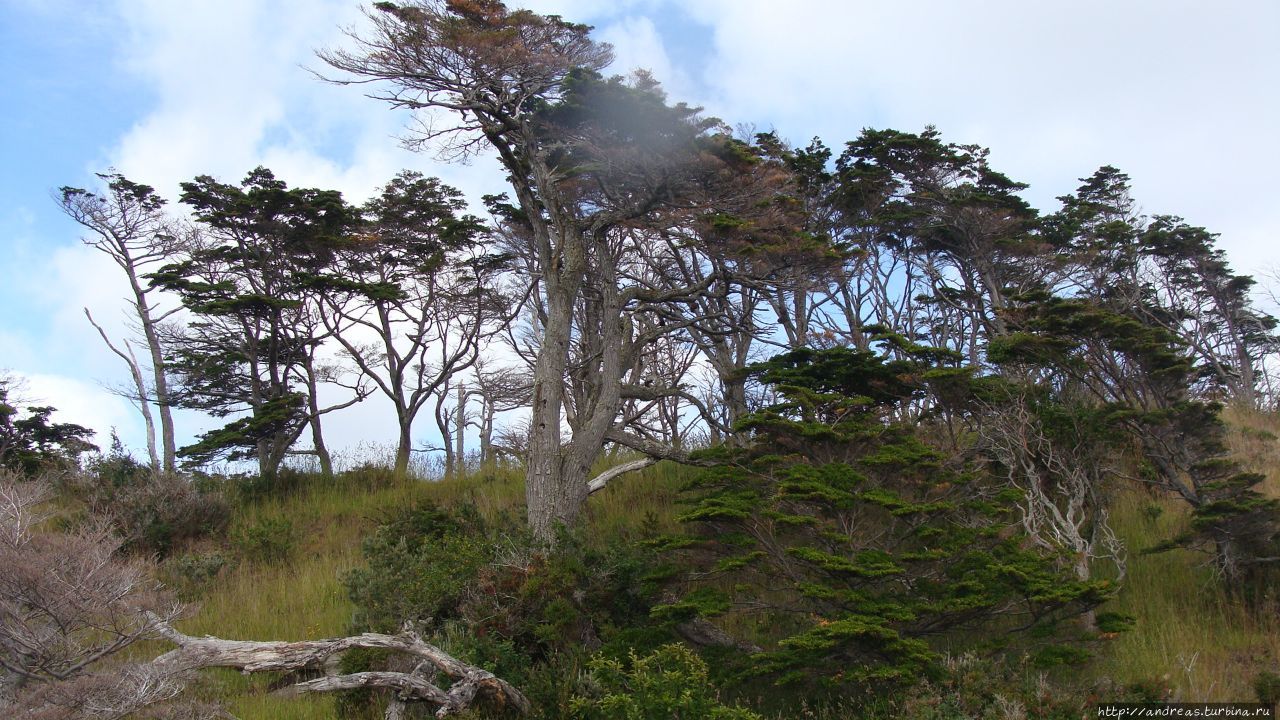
(638, 46)
(1180, 95)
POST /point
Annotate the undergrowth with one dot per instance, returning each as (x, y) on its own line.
(1194, 639)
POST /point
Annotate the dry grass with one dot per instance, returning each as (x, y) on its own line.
(1193, 636)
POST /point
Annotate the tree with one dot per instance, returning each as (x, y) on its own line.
(69, 609)
(1170, 272)
(246, 279)
(1141, 380)
(1062, 458)
(947, 240)
(851, 542)
(418, 283)
(593, 164)
(499, 390)
(30, 442)
(129, 226)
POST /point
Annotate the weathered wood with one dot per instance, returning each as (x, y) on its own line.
(469, 682)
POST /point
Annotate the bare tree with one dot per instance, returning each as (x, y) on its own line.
(500, 390)
(69, 607)
(129, 225)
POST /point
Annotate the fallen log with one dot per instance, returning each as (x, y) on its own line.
(469, 683)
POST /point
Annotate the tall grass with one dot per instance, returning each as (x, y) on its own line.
(1194, 637)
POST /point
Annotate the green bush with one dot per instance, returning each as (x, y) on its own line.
(481, 590)
(1267, 687)
(191, 573)
(671, 682)
(420, 561)
(268, 540)
(977, 688)
(251, 488)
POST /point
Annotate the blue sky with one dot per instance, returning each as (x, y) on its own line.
(1183, 96)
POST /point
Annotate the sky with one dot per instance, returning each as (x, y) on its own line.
(1183, 96)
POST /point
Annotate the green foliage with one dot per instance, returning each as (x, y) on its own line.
(191, 573)
(478, 588)
(670, 682)
(971, 687)
(30, 442)
(251, 341)
(853, 540)
(270, 539)
(420, 562)
(1140, 380)
(1267, 687)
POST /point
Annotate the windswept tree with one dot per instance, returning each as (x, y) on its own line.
(246, 279)
(850, 541)
(594, 165)
(412, 297)
(128, 224)
(945, 240)
(30, 441)
(1171, 272)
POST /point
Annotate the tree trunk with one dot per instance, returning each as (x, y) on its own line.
(321, 450)
(159, 379)
(552, 495)
(470, 683)
(403, 447)
(486, 438)
(460, 425)
(1088, 620)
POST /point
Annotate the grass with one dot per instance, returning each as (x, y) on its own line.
(302, 596)
(1193, 638)
(299, 597)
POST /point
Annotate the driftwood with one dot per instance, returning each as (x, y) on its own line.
(470, 683)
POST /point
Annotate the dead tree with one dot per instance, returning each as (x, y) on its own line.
(469, 684)
(69, 608)
(129, 225)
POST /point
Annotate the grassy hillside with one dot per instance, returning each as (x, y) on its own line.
(1192, 640)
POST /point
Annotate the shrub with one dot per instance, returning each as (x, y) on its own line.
(191, 572)
(481, 590)
(419, 562)
(1267, 687)
(670, 682)
(268, 540)
(152, 512)
(250, 488)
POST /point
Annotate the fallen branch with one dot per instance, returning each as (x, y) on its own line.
(248, 656)
(600, 481)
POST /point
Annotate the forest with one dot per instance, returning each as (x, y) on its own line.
(719, 427)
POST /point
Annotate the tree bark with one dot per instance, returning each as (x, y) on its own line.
(470, 683)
